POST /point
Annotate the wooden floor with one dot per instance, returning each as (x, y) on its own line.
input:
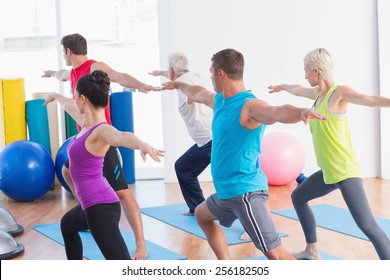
(55, 203)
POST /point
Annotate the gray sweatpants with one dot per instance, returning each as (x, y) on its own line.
(356, 200)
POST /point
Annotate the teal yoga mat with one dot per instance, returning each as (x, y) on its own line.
(336, 219)
(324, 256)
(173, 215)
(92, 252)
(38, 123)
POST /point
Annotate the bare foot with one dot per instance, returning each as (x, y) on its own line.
(141, 253)
(307, 255)
(188, 214)
(245, 236)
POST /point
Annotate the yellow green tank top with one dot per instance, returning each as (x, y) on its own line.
(333, 145)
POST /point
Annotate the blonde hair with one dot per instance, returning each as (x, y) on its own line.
(321, 60)
(178, 62)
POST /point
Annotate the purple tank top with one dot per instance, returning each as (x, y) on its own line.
(87, 174)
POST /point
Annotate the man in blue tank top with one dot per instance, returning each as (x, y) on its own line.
(238, 126)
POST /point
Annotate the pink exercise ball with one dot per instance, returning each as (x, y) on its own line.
(282, 158)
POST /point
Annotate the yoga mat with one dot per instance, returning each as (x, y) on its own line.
(71, 126)
(37, 123)
(324, 256)
(122, 119)
(14, 110)
(336, 219)
(173, 215)
(92, 252)
(52, 114)
(2, 138)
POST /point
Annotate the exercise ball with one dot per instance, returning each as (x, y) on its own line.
(26, 171)
(61, 158)
(282, 158)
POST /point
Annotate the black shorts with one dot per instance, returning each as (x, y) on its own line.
(112, 170)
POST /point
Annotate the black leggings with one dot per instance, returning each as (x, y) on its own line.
(103, 222)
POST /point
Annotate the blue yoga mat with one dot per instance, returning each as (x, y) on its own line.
(121, 107)
(324, 256)
(92, 252)
(173, 215)
(336, 219)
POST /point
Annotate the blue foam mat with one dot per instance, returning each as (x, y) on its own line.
(173, 215)
(336, 219)
(92, 252)
(324, 256)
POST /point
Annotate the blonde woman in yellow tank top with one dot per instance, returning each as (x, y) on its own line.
(339, 168)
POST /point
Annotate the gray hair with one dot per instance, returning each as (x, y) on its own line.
(320, 59)
(178, 62)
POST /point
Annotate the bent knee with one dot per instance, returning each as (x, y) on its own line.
(203, 214)
(295, 198)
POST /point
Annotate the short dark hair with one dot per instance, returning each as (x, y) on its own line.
(231, 62)
(96, 87)
(76, 43)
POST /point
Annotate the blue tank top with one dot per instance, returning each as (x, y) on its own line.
(86, 171)
(235, 150)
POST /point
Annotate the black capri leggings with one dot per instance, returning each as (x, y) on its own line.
(103, 222)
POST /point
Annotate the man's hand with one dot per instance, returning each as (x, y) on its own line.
(147, 88)
(155, 73)
(48, 73)
(308, 114)
(169, 86)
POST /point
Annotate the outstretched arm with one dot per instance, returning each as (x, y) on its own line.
(69, 106)
(61, 75)
(195, 93)
(350, 95)
(261, 112)
(297, 90)
(123, 79)
(116, 138)
(160, 73)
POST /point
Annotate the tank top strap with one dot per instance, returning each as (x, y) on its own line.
(86, 134)
(329, 94)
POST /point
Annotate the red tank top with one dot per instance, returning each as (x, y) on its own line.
(76, 74)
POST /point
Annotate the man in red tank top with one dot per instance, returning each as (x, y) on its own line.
(75, 55)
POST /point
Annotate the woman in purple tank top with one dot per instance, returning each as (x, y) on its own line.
(99, 209)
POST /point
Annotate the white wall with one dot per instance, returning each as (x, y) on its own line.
(384, 60)
(274, 36)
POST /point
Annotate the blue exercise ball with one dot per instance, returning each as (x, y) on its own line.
(61, 158)
(26, 171)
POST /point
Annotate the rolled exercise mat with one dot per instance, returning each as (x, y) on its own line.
(122, 119)
(71, 126)
(52, 114)
(14, 110)
(2, 138)
(37, 123)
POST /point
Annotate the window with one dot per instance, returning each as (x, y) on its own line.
(121, 33)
